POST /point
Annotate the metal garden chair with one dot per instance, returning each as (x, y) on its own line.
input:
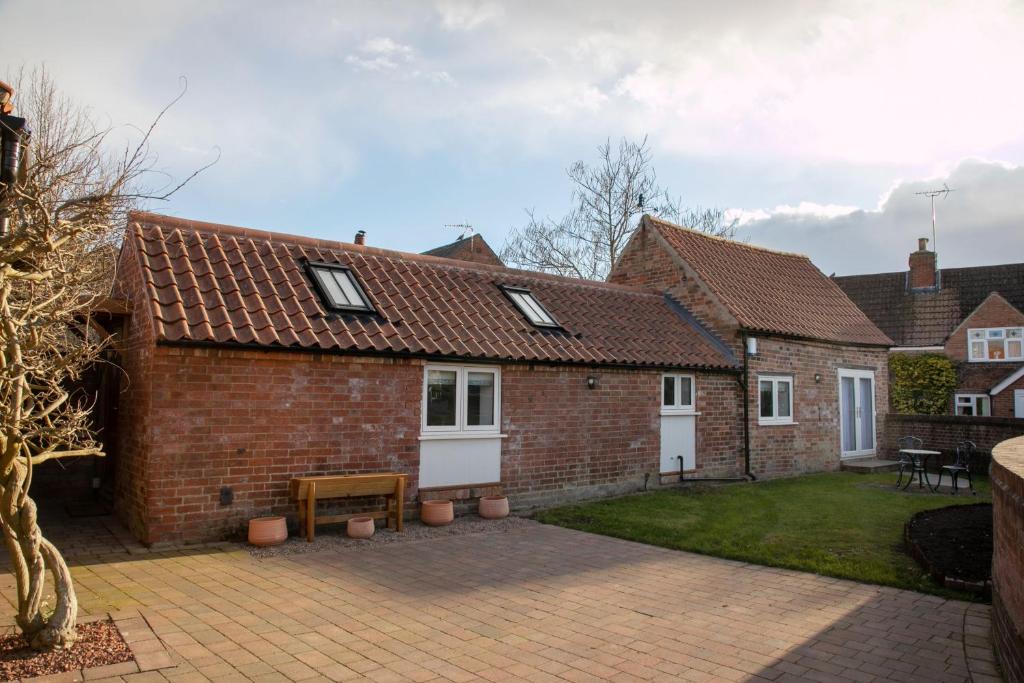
(961, 465)
(906, 462)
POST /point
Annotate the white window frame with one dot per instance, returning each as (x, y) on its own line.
(986, 335)
(332, 270)
(776, 380)
(678, 408)
(461, 400)
(972, 401)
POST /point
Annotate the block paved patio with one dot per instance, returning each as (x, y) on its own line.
(535, 604)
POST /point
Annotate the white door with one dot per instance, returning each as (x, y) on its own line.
(856, 413)
(1018, 402)
(678, 438)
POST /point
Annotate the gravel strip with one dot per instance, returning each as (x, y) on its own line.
(333, 537)
(99, 643)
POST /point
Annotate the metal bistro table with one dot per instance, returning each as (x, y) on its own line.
(919, 458)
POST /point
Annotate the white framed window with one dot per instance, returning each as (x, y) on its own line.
(774, 399)
(978, 405)
(461, 399)
(995, 344)
(528, 305)
(678, 394)
(338, 287)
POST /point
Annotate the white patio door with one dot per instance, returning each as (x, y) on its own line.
(856, 413)
(1018, 403)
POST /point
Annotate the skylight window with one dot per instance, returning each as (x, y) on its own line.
(530, 307)
(338, 287)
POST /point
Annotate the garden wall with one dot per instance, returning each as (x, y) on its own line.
(944, 432)
(1008, 556)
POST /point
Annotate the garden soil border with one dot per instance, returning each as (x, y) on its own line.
(982, 588)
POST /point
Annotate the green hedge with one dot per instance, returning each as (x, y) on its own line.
(921, 384)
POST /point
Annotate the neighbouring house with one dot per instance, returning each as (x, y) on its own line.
(971, 315)
(814, 366)
(472, 248)
(252, 357)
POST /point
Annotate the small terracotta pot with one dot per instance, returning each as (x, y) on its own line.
(493, 507)
(437, 512)
(361, 527)
(267, 531)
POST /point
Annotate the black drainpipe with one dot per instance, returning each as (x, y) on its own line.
(746, 411)
(744, 382)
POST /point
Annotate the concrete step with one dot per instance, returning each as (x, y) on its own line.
(869, 465)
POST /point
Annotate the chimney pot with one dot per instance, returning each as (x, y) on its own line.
(922, 266)
(361, 237)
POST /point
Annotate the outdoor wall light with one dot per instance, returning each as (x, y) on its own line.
(817, 378)
(591, 382)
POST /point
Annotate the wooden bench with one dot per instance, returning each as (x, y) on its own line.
(308, 490)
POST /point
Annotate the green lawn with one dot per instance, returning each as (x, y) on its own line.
(843, 524)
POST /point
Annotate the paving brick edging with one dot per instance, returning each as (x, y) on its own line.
(148, 651)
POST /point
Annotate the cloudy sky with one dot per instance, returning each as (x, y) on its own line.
(814, 122)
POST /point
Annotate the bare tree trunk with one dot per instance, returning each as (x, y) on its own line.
(31, 555)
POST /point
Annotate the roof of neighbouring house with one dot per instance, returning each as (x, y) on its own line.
(927, 318)
(771, 291)
(225, 285)
(473, 248)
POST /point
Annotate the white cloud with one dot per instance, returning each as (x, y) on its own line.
(979, 223)
(380, 54)
(467, 15)
(801, 210)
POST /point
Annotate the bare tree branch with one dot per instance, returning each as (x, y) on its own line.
(608, 199)
(66, 210)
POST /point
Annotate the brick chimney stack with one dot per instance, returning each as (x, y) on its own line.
(922, 266)
(361, 237)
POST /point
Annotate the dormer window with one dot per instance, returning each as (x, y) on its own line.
(530, 307)
(338, 287)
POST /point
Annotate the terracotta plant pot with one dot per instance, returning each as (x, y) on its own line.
(361, 527)
(437, 512)
(493, 507)
(265, 531)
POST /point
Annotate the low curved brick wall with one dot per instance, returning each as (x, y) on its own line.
(1008, 556)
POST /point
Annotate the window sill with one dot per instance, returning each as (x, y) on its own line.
(440, 436)
(996, 360)
(666, 413)
(776, 424)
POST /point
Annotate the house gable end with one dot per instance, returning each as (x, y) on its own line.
(648, 260)
(994, 311)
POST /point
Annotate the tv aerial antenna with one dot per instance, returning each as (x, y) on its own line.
(466, 228)
(932, 194)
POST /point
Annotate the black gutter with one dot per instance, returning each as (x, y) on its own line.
(251, 346)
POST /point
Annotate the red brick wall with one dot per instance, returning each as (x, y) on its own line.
(251, 420)
(812, 444)
(944, 432)
(1003, 403)
(1008, 557)
(136, 349)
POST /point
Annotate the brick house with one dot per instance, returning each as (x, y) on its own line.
(813, 364)
(252, 357)
(971, 315)
(473, 248)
